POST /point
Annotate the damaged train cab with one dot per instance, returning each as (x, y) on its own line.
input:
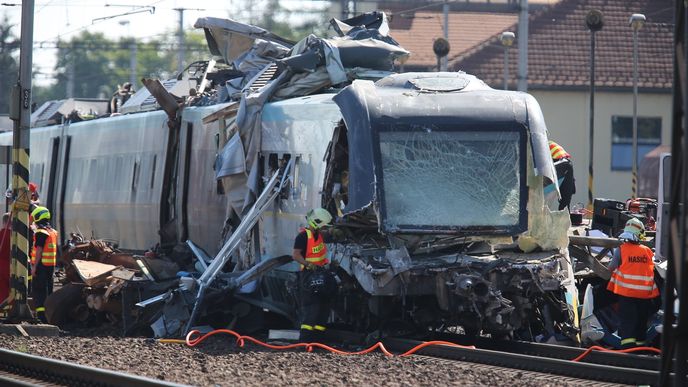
(437, 182)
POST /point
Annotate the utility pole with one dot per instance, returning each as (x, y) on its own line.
(69, 92)
(180, 40)
(523, 46)
(20, 113)
(180, 37)
(445, 13)
(133, 52)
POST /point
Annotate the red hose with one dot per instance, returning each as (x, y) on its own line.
(194, 338)
(628, 350)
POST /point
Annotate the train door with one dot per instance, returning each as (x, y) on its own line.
(6, 170)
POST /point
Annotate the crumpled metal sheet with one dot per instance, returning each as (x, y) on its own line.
(230, 39)
(231, 160)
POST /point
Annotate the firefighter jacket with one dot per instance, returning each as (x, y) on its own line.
(635, 275)
(316, 251)
(557, 151)
(49, 257)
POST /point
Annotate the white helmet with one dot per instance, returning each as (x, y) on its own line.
(318, 217)
(635, 227)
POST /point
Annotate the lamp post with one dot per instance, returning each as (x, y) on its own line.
(594, 20)
(507, 39)
(637, 21)
(441, 49)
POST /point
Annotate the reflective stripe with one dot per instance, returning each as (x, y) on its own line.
(307, 327)
(628, 341)
(635, 277)
(640, 342)
(320, 328)
(316, 251)
(49, 256)
(632, 286)
(40, 309)
(557, 151)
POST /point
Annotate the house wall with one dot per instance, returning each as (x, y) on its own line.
(567, 119)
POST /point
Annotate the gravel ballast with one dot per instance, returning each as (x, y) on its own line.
(218, 362)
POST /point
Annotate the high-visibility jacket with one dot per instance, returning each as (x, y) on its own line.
(557, 151)
(635, 275)
(49, 257)
(316, 251)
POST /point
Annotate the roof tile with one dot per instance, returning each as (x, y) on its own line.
(559, 47)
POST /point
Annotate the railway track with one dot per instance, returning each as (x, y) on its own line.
(20, 369)
(552, 359)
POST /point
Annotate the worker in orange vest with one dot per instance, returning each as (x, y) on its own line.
(564, 167)
(634, 282)
(315, 281)
(43, 259)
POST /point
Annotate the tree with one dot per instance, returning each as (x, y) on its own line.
(9, 68)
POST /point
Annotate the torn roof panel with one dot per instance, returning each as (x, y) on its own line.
(230, 39)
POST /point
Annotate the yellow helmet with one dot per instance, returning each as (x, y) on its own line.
(40, 213)
(318, 217)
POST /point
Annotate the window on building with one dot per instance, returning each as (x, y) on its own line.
(649, 137)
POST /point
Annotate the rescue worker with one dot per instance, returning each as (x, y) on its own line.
(564, 168)
(43, 259)
(314, 279)
(633, 281)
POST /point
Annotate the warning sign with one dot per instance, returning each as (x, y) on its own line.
(22, 203)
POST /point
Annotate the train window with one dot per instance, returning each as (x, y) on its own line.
(272, 164)
(152, 180)
(92, 175)
(119, 171)
(135, 175)
(295, 186)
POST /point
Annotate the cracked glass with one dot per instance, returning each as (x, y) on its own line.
(450, 179)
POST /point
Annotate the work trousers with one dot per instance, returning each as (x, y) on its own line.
(41, 288)
(567, 188)
(633, 316)
(314, 308)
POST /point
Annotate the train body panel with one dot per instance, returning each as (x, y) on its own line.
(113, 173)
(299, 128)
(201, 206)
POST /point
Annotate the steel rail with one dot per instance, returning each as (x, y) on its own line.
(582, 370)
(45, 370)
(628, 360)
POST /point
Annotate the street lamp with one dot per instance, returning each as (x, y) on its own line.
(507, 39)
(595, 21)
(637, 21)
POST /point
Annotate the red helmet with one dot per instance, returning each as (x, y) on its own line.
(33, 187)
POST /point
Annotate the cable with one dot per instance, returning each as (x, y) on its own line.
(628, 350)
(194, 338)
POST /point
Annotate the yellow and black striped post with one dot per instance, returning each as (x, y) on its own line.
(20, 112)
(19, 267)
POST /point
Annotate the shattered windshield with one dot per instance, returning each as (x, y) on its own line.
(451, 179)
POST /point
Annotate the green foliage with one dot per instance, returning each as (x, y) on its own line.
(96, 65)
(9, 66)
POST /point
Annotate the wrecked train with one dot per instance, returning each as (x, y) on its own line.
(436, 181)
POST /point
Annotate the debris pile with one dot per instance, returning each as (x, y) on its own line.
(102, 283)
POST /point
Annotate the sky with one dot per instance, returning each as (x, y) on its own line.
(64, 19)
